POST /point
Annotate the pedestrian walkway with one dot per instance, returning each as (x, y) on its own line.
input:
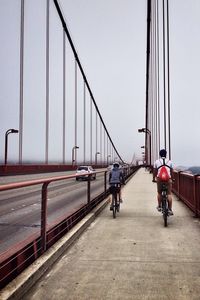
(131, 257)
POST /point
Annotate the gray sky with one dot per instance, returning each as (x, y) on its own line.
(110, 38)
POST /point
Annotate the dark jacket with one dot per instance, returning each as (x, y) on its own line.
(116, 176)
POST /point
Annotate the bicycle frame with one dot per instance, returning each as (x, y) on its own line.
(115, 199)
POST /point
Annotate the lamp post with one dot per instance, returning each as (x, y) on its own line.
(146, 130)
(73, 156)
(108, 158)
(6, 142)
(144, 156)
(96, 157)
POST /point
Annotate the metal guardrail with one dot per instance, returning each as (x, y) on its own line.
(187, 189)
(12, 264)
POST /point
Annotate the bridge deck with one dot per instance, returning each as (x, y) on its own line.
(132, 256)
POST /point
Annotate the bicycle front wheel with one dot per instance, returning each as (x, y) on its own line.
(165, 218)
(164, 208)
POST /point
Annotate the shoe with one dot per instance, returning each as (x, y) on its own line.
(170, 212)
(111, 208)
(121, 201)
(159, 208)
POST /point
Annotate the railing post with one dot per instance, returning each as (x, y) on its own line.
(125, 173)
(178, 185)
(195, 196)
(44, 216)
(89, 189)
(105, 181)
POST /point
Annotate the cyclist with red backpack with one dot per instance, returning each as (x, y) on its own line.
(163, 173)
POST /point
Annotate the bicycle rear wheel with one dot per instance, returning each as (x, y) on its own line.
(118, 203)
(114, 203)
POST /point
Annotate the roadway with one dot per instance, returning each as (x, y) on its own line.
(20, 209)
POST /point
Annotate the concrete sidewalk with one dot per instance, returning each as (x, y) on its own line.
(131, 257)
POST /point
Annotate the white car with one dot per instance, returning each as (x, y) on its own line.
(85, 169)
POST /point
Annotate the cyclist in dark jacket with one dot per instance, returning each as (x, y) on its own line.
(116, 176)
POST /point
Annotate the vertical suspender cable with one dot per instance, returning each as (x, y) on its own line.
(100, 143)
(84, 122)
(47, 83)
(91, 131)
(64, 95)
(158, 73)
(107, 149)
(169, 121)
(21, 104)
(155, 84)
(147, 74)
(104, 147)
(154, 87)
(150, 90)
(110, 151)
(96, 133)
(164, 79)
(155, 70)
(75, 112)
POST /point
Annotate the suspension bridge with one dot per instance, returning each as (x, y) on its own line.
(57, 236)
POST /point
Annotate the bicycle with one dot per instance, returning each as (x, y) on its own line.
(114, 189)
(164, 201)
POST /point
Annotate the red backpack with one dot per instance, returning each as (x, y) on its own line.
(163, 174)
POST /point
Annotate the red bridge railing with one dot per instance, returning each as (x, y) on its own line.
(187, 189)
(20, 256)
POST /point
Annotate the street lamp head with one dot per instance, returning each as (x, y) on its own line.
(11, 130)
(14, 131)
(145, 130)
